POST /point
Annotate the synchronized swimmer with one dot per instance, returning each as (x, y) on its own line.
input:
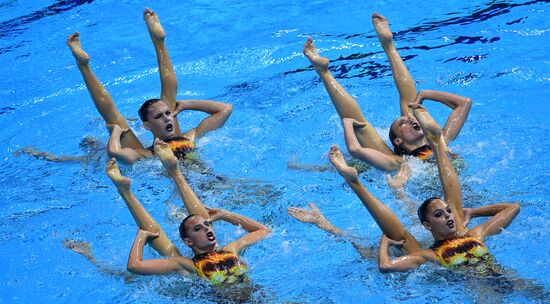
(362, 140)
(415, 133)
(455, 245)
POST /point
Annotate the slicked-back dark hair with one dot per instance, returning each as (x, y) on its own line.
(144, 109)
(424, 208)
(183, 231)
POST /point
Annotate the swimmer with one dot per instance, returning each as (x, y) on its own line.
(455, 245)
(158, 115)
(406, 136)
(223, 265)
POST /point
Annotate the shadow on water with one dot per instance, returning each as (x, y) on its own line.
(372, 70)
(16, 26)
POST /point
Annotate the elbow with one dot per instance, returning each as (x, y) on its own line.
(384, 268)
(133, 267)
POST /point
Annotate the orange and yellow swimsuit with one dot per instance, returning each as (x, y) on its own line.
(458, 251)
(423, 153)
(220, 267)
(180, 145)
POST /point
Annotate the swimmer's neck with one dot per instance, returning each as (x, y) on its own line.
(409, 148)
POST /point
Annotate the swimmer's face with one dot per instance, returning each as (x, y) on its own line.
(440, 219)
(407, 130)
(160, 121)
(200, 233)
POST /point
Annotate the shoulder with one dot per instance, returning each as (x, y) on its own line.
(190, 135)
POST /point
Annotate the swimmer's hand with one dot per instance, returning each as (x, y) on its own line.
(215, 214)
(467, 215)
(147, 235)
(313, 216)
(354, 123)
(416, 106)
(401, 178)
(419, 98)
(116, 128)
(181, 106)
(389, 242)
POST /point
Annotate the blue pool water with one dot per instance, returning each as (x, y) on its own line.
(248, 53)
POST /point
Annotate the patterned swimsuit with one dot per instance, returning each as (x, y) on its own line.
(459, 251)
(220, 267)
(180, 145)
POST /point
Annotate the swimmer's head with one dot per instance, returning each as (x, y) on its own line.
(158, 118)
(436, 216)
(197, 232)
(405, 132)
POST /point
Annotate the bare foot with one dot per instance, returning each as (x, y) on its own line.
(113, 172)
(167, 158)
(73, 41)
(82, 248)
(337, 160)
(310, 51)
(382, 29)
(431, 129)
(153, 25)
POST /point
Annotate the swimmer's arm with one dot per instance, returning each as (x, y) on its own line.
(315, 217)
(115, 149)
(400, 264)
(461, 108)
(502, 215)
(376, 158)
(256, 231)
(137, 265)
(219, 113)
(31, 151)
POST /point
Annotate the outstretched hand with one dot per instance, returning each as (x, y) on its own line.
(313, 216)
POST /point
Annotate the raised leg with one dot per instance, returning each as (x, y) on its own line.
(449, 179)
(345, 105)
(102, 100)
(170, 162)
(168, 80)
(384, 217)
(143, 219)
(401, 76)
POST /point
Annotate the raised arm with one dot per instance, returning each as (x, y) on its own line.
(122, 154)
(137, 265)
(190, 199)
(459, 104)
(447, 175)
(403, 263)
(378, 159)
(502, 215)
(256, 231)
(219, 113)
